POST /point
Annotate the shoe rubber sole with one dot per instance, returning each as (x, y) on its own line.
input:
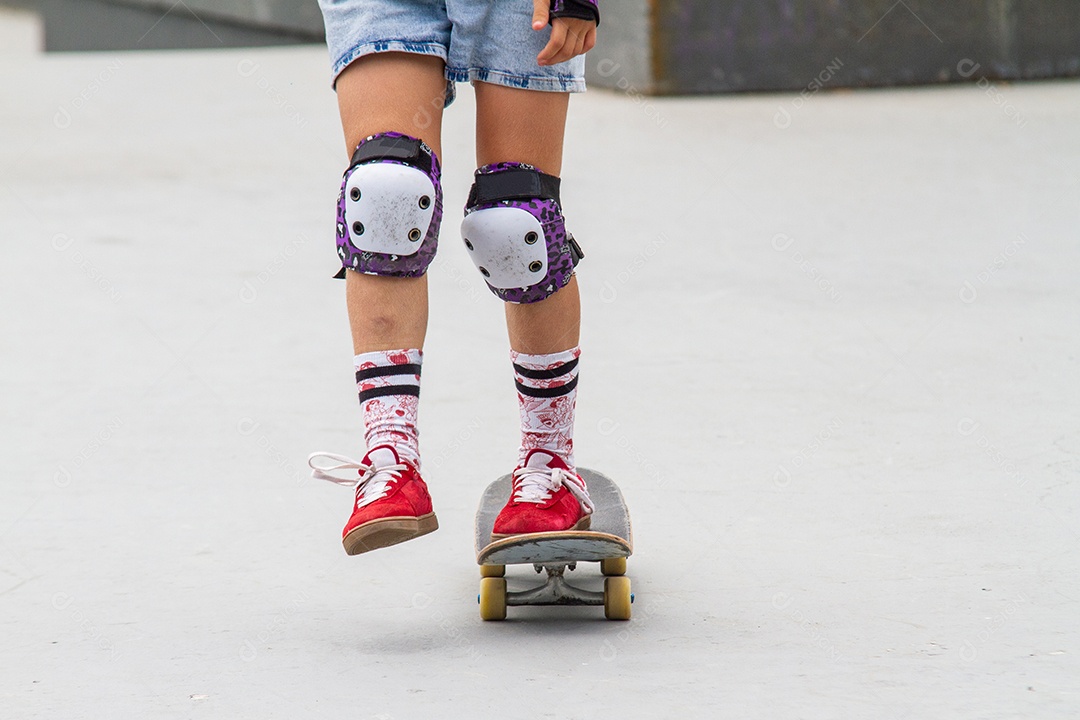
(582, 524)
(387, 531)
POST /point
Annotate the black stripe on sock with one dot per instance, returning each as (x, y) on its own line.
(546, 392)
(389, 390)
(550, 374)
(386, 370)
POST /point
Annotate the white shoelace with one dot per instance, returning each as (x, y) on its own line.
(372, 484)
(535, 485)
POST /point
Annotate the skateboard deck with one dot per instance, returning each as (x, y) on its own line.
(608, 540)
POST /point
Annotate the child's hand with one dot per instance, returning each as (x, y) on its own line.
(570, 37)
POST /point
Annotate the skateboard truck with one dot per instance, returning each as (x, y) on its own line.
(556, 591)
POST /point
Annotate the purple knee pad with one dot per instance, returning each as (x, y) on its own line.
(515, 232)
(390, 207)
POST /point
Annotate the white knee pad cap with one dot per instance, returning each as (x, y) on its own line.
(507, 245)
(388, 208)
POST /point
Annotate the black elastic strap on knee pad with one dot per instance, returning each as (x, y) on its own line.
(405, 149)
(514, 185)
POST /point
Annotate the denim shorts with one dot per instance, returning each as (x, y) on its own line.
(488, 41)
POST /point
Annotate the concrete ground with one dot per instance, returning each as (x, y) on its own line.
(830, 354)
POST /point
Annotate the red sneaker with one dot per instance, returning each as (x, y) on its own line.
(392, 502)
(546, 497)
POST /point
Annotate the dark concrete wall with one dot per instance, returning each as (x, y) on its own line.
(74, 25)
(735, 45)
(293, 16)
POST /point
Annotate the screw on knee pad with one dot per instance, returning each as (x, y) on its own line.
(515, 232)
(390, 207)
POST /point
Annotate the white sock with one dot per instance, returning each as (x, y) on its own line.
(547, 394)
(388, 383)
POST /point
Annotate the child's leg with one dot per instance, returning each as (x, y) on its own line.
(527, 126)
(403, 93)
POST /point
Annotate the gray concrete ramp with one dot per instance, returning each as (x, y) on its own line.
(830, 356)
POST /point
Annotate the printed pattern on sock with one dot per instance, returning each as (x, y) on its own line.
(547, 394)
(388, 384)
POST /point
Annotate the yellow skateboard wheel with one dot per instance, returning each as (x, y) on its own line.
(617, 598)
(493, 598)
(492, 571)
(613, 566)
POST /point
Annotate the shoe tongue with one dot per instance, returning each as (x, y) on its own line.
(539, 459)
(382, 456)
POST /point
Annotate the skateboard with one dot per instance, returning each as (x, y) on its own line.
(609, 541)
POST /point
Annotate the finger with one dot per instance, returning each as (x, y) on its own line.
(561, 56)
(554, 46)
(590, 40)
(540, 14)
(570, 49)
(579, 46)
